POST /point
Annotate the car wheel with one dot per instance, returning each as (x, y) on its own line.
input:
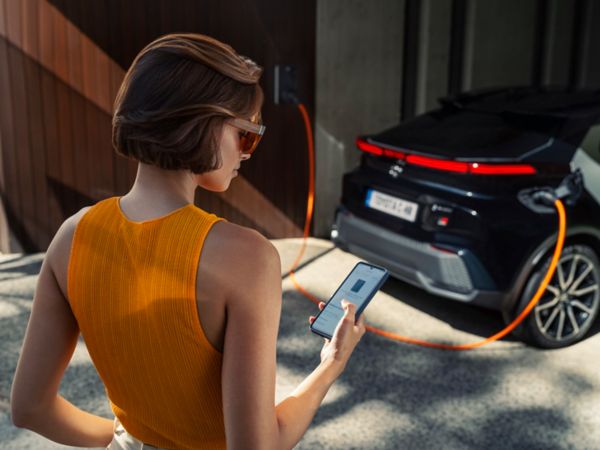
(570, 303)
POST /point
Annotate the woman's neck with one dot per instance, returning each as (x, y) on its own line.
(160, 188)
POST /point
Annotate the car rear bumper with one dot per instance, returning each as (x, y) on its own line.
(437, 271)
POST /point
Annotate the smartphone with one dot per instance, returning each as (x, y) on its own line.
(359, 287)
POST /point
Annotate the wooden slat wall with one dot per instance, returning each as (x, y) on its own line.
(280, 176)
(61, 64)
(8, 176)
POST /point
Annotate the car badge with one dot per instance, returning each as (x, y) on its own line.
(395, 170)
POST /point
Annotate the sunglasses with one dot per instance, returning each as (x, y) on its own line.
(252, 132)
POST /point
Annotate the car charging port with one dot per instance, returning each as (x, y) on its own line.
(541, 199)
(544, 197)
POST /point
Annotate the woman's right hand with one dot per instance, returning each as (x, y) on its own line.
(346, 336)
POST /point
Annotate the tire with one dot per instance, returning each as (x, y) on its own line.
(570, 304)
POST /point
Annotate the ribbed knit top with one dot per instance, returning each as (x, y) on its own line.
(132, 288)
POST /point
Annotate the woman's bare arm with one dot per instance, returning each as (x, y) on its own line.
(252, 421)
(49, 343)
(295, 413)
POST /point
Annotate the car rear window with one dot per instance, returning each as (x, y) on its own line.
(464, 135)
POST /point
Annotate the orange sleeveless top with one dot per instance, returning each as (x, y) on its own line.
(132, 288)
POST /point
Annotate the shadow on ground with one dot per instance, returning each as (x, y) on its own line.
(461, 316)
(397, 396)
(391, 395)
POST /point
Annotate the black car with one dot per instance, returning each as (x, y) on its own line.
(444, 201)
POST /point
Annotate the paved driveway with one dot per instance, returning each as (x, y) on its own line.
(392, 395)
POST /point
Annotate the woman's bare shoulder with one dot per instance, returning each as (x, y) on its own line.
(233, 251)
(59, 249)
(241, 235)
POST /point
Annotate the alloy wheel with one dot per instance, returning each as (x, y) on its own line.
(570, 300)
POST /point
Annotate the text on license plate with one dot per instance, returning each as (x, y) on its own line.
(392, 205)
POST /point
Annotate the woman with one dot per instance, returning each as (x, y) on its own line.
(179, 308)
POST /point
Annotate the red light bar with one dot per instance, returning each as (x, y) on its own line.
(369, 148)
(377, 150)
(446, 164)
(393, 153)
(501, 169)
(439, 164)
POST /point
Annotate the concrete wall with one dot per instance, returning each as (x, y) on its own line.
(559, 42)
(434, 53)
(358, 87)
(500, 44)
(360, 65)
(591, 45)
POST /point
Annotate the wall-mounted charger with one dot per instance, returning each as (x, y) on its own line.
(286, 84)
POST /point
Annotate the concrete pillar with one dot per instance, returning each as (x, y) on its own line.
(434, 53)
(559, 42)
(499, 44)
(358, 88)
(591, 68)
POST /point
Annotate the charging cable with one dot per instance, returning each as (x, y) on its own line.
(543, 196)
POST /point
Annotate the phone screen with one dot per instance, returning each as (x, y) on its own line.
(359, 287)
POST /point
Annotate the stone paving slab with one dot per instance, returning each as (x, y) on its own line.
(506, 395)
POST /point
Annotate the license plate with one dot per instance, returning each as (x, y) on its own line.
(392, 205)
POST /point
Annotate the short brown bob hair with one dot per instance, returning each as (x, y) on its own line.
(180, 89)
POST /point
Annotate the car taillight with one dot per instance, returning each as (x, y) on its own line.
(369, 148)
(393, 153)
(439, 164)
(378, 150)
(447, 165)
(501, 169)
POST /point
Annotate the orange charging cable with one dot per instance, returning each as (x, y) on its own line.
(562, 225)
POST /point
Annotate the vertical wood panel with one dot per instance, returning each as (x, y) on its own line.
(2, 18)
(4, 93)
(121, 182)
(271, 32)
(35, 124)
(62, 87)
(46, 35)
(4, 224)
(98, 125)
(59, 33)
(31, 43)
(12, 195)
(103, 81)
(115, 38)
(22, 148)
(10, 190)
(65, 141)
(76, 70)
(102, 153)
(75, 75)
(81, 137)
(13, 12)
(115, 79)
(30, 21)
(50, 110)
(2, 181)
(53, 169)
(90, 82)
(15, 207)
(30, 27)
